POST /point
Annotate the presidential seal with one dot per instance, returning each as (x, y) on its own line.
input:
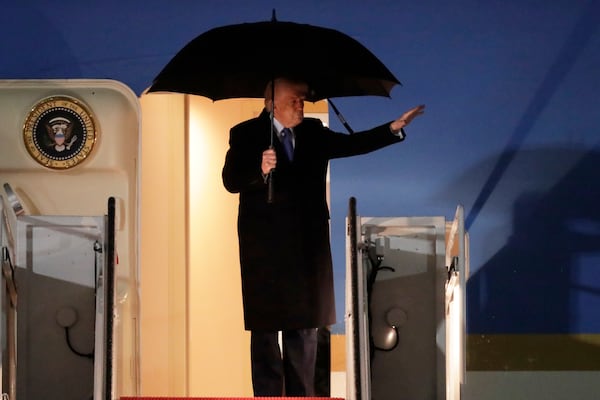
(59, 132)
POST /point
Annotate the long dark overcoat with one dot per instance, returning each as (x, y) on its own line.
(285, 256)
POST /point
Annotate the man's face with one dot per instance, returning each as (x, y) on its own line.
(289, 102)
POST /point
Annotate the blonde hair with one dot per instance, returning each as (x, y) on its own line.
(281, 80)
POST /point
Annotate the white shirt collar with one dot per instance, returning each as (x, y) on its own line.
(279, 126)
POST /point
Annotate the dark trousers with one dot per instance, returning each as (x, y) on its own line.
(290, 372)
(323, 364)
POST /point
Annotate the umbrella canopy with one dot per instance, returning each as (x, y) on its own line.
(239, 60)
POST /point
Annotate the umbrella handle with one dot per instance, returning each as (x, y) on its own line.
(270, 188)
(272, 117)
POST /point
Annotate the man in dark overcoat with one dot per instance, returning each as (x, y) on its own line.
(284, 245)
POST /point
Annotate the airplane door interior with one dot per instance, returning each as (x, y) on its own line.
(405, 306)
(69, 227)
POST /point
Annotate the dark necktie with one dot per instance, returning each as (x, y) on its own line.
(286, 139)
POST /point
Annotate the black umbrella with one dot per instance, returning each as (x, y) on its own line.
(236, 61)
(239, 60)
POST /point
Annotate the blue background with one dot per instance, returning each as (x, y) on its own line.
(512, 90)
